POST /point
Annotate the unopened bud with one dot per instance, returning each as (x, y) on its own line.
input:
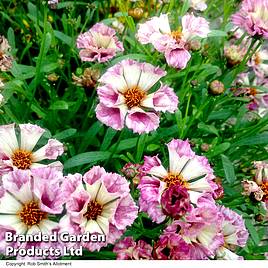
(216, 87)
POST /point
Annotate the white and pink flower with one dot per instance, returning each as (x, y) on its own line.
(21, 155)
(199, 5)
(173, 44)
(99, 43)
(28, 199)
(185, 169)
(102, 204)
(125, 99)
(234, 232)
(252, 17)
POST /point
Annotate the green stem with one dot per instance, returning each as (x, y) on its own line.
(115, 147)
(186, 115)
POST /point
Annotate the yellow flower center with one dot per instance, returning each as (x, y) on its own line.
(22, 159)
(31, 214)
(134, 97)
(173, 179)
(177, 35)
(94, 209)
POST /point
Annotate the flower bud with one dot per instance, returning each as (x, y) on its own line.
(136, 13)
(195, 45)
(234, 54)
(216, 87)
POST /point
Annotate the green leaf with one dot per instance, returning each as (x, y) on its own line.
(86, 158)
(64, 38)
(109, 135)
(253, 233)
(219, 149)
(228, 169)
(65, 134)
(59, 105)
(217, 33)
(208, 128)
(255, 140)
(140, 147)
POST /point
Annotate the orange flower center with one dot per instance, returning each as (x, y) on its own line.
(252, 91)
(94, 209)
(31, 214)
(173, 179)
(22, 159)
(264, 188)
(176, 35)
(134, 96)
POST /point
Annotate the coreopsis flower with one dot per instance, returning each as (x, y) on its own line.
(252, 188)
(171, 246)
(173, 44)
(199, 5)
(21, 155)
(186, 169)
(201, 229)
(5, 58)
(252, 17)
(102, 204)
(234, 232)
(99, 43)
(175, 201)
(128, 249)
(125, 99)
(30, 199)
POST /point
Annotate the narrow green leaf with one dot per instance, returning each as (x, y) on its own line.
(228, 169)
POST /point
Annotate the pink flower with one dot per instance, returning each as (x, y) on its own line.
(173, 44)
(15, 155)
(175, 201)
(185, 169)
(125, 99)
(128, 249)
(171, 246)
(29, 198)
(6, 59)
(98, 44)
(102, 204)
(235, 234)
(252, 17)
(200, 229)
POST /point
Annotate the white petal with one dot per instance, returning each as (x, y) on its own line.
(93, 227)
(132, 74)
(158, 171)
(225, 254)
(193, 169)
(11, 220)
(104, 224)
(25, 193)
(47, 225)
(8, 139)
(148, 79)
(109, 210)
(207, 234)
(147, 102)
(231, 239)
(33, 229)
(176, 163)
(9, 204)
(194, 196)
(103, 197)
(93, 189)
(29, 136)
(200, 185)
(40, 154)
